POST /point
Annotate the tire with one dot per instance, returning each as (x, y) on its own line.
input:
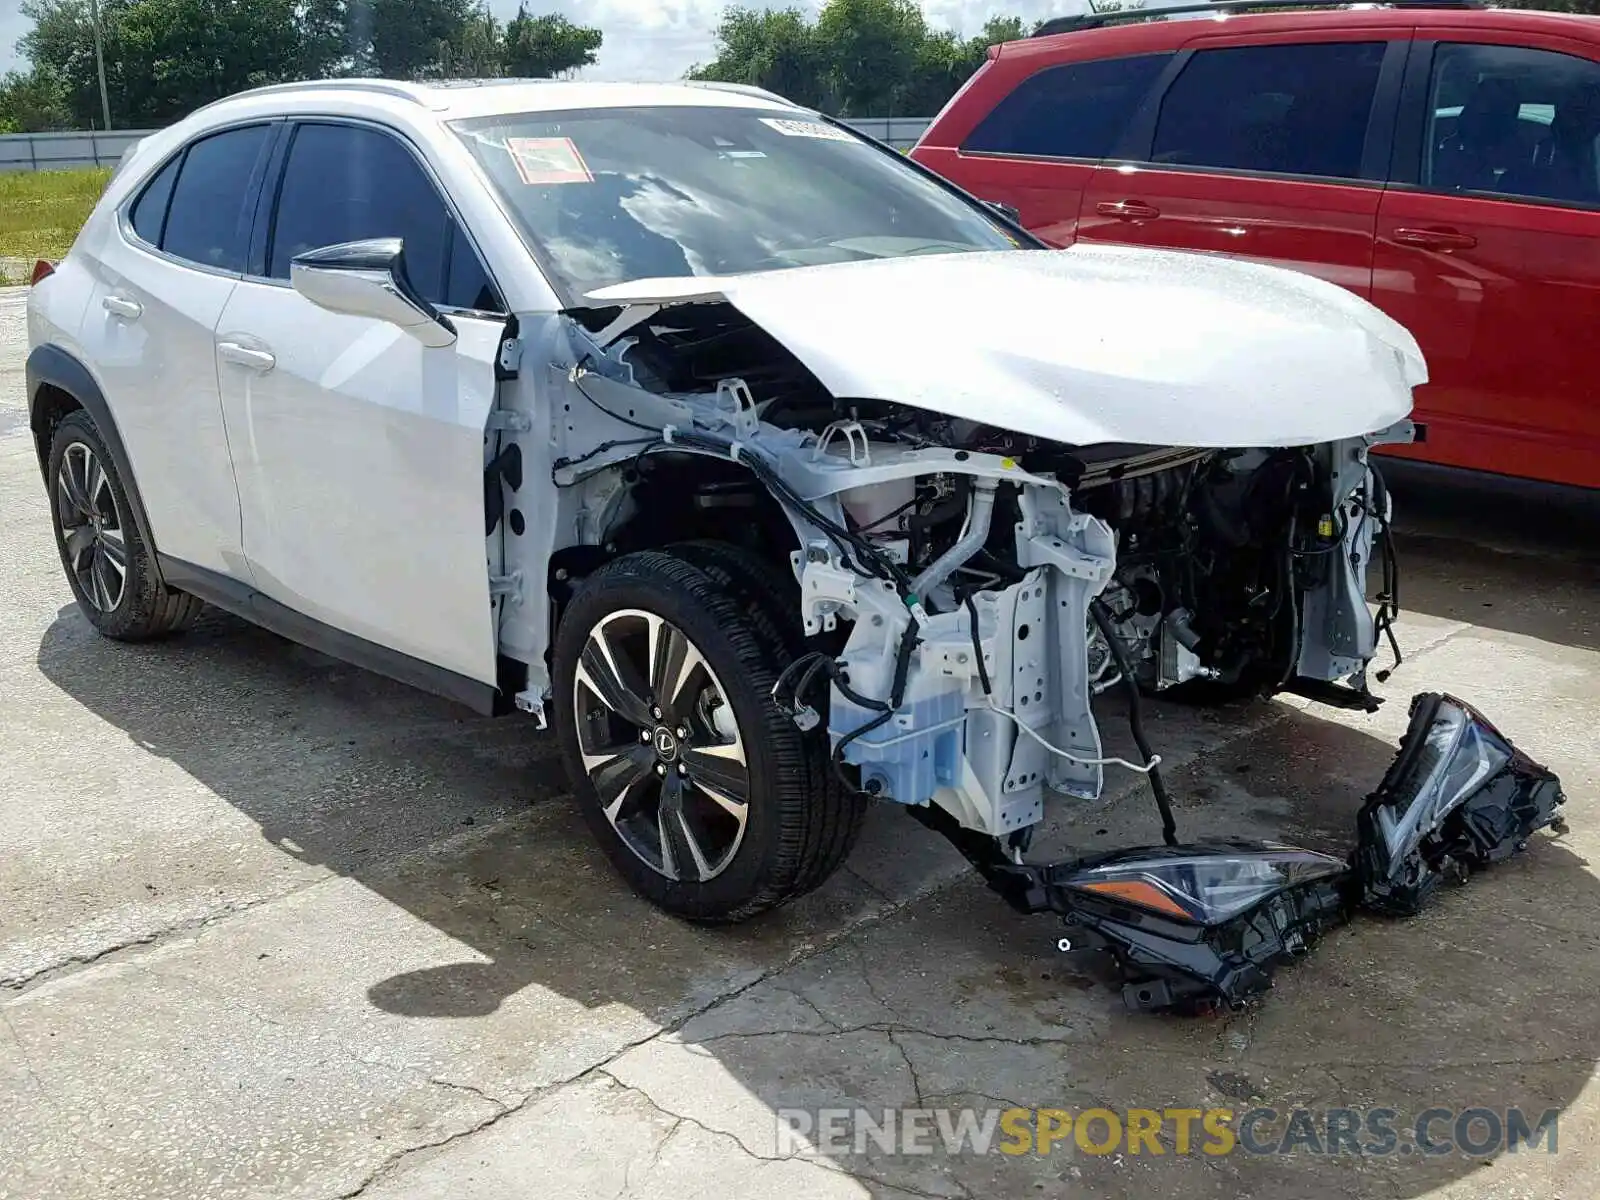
(109, 567)
(772, 597)
(745, 858)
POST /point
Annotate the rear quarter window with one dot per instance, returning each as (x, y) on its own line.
(1076, 110)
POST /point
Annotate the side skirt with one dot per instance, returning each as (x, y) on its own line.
(244, 601)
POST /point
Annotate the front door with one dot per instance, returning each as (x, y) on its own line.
(1268, 151)
(359, 452)
(1488, 250)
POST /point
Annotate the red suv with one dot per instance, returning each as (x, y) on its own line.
(1439, 160)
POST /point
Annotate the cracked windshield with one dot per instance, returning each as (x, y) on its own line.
(607, 196)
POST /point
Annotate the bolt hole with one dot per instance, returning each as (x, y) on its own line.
(1022, 633)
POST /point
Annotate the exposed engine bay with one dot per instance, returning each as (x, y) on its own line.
(966, 589)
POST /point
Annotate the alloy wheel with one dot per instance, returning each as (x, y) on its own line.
(661, 746)
(91, 527)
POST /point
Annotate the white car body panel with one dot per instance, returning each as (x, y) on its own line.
(359, 459)
(1087, 345)
(159, 367)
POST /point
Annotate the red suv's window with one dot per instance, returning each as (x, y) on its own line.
(1293, 110)
(1514, 121)
(1071, 111)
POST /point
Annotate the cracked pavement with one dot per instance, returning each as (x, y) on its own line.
(270, 926)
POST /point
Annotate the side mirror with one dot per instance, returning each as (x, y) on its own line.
(368, 279)
(1009, 211)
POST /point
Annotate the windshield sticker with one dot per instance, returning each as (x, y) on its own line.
(807, 129)
(544, 160)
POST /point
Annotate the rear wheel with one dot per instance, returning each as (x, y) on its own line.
(109, 567)
(706, 798)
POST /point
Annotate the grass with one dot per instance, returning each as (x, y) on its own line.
(41, 211)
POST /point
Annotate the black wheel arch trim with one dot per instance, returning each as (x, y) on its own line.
(245, 601)
(52, 365)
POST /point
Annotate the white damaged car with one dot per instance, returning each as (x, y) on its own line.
(775, 473)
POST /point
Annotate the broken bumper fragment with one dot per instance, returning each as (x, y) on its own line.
(1458, 796)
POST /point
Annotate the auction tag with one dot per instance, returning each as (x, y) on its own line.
(548, 160)
(807, 129)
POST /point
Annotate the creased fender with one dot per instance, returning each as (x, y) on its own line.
(54, 366)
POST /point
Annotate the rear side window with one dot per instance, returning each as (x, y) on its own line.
(149, 212)
(208, 220)
(1513, 121)
(346, 183)
(1072, 111)
(1293, 110)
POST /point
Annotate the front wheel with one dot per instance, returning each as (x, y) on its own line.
(705, 797)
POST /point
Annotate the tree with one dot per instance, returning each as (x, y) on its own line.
(172, 55)
(33, 102)
(872, 49)
(859, 58)
(412, 39)
(773, 49)
(543, 47)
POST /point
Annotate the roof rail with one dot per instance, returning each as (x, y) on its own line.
(743, 89)
(1115, 13)
(383, 87)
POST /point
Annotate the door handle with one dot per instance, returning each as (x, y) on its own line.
(130, 310)
(1127, 210)
(256, 360)
(1434, 239)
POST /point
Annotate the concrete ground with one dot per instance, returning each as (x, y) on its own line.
(270, 926)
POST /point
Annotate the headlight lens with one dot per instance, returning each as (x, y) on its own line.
(1456, 755)
(1203, 884)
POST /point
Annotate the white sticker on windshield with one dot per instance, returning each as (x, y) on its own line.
(807, 129)
(548, 160)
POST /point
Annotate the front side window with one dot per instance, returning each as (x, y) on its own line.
(1513, 121)
(1292, 110)
(1072, 111)
(609, 195)
(213, 202)
(346, 183)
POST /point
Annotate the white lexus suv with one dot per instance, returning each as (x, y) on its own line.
(780, 475)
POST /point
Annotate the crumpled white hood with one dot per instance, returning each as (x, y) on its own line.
(1086, 345)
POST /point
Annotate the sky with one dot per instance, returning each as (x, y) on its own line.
(648, 39)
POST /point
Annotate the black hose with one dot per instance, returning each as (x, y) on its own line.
(1102, 618)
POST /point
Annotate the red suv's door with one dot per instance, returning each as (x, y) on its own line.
(1273, 148)
(1488, 249)
(1045, 124)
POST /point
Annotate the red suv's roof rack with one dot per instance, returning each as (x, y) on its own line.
(1093, 20)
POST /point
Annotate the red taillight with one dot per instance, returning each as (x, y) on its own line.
(42, 270)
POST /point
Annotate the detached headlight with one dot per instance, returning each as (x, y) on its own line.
(1199, 926)
(1458, 795)
(1205, 884)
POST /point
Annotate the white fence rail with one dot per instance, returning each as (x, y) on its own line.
(62, 151)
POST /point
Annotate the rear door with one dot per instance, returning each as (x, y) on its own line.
(161, 283)
(1488, 250)
(1273, 150)
(1037, 148)
(359, 451)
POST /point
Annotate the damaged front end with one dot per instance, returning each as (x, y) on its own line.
(978, 558)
